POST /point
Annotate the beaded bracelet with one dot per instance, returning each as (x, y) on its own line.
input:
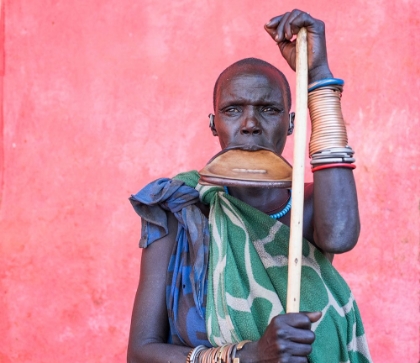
(335, 165)
(325, 82)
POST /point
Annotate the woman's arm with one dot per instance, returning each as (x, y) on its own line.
(149, 323)
(336, 212)
(335, 217)
(287, 335)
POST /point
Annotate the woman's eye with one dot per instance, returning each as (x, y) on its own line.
(232, 110)
(269, 109)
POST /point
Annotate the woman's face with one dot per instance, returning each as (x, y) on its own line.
(251, 111)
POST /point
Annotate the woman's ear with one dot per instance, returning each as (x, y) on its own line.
(211, 124)
(291, 123)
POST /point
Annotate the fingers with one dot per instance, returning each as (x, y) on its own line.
(314, 316)
(295, 21)
(275, 27)
(295, 349)
(296, 326)
(295, 340)
(273, 22)
(298, 320)
(300, 360)
(288, 337)
(300, 336)
(281, 35)
(284, 27)
(271, 27)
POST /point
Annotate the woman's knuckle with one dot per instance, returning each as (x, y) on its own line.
(282, 347)
(285, 359)
(282, 333)
(321, 25)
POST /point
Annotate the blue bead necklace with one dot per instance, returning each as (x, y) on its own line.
(277, 215)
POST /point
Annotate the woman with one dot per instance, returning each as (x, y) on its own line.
(216, 290)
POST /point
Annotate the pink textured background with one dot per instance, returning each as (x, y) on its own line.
(99, 97)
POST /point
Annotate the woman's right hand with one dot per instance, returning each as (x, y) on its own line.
(288, 338)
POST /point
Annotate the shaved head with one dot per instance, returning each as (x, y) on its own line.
(253, 65)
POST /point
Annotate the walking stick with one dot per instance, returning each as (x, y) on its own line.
(235, 167)
(298, 176)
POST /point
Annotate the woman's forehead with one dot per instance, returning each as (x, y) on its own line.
(251, 84)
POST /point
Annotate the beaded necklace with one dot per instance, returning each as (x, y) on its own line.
(277, 215)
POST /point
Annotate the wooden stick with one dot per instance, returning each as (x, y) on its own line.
(299, 154)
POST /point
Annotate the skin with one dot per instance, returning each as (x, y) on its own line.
(251, 111)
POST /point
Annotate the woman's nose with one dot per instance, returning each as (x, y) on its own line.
(250, 124)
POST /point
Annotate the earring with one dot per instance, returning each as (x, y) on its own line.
(211, 117)
(291, 123)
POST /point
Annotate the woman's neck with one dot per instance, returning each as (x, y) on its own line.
(267, 200)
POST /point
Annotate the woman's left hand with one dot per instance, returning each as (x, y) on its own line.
(284, 27)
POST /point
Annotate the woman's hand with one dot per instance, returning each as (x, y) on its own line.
(288, 338)
(284, 27)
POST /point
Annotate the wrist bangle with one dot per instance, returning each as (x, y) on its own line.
(325, 82)
(189, 356)
(333, 155)
(328, 126)
(193, 354)
(333, 160)
(239, 346)
(335, 165)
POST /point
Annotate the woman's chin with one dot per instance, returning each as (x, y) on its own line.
(250, 147)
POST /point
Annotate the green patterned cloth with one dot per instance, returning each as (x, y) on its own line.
(247, 283)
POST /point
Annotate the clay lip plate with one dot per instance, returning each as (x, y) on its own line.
(247, 167)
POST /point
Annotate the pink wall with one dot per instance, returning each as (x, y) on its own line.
(100, 97)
